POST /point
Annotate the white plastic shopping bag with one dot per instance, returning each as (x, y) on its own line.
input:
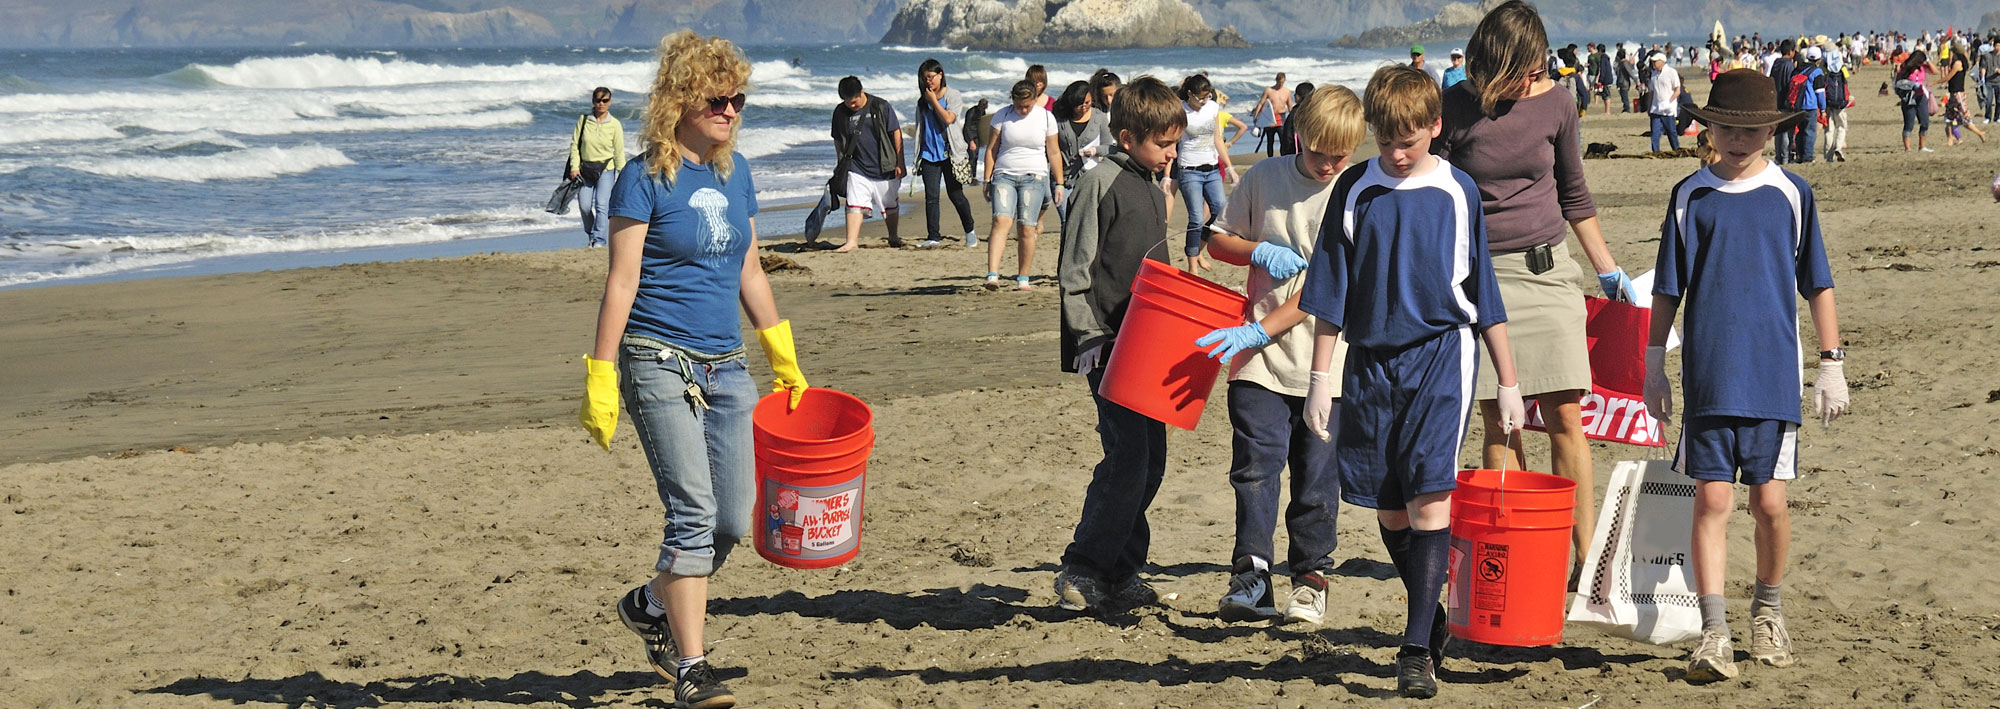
(1640, 584)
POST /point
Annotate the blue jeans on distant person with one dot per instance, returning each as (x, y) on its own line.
(1112, 538)
(1916, 119)
(1271, 435)
(1664, 125)
(1201, 190)
(1803, 136)
(701, 457)
(594, 202)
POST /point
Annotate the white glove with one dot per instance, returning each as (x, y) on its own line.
(1319, 404)
(1659, 394)
(1087, 359)
(1830, 392)
(1513, 413)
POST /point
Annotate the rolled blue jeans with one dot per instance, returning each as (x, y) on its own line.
(594, 203)
(1270, 435)
(1803, 136)
(1199, 189)
(701, 458)
(1664, 125)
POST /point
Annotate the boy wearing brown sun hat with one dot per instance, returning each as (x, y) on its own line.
(1741, 236)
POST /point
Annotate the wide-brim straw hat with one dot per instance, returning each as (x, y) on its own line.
(1744, 98)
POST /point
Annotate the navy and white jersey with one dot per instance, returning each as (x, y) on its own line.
(1734, 253)
(1402, 260)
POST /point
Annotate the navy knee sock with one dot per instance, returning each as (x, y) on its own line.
(1423, 580)
(1397, 541)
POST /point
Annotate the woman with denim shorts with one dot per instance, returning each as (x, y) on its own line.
(683, 257)
(1198, 168)
(1021, 156)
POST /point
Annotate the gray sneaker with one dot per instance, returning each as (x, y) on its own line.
(1249, 596)
(1714, 660)
(971, 239)
(1078, 592)
(1308, 599)
(1769, 642)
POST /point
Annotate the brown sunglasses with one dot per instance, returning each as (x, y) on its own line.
(716, 104)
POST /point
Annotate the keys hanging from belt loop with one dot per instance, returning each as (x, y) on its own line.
(693, 393)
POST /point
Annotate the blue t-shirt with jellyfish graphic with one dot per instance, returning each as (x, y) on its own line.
(698, 230)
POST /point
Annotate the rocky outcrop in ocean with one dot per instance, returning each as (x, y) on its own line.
(1452, 22)
(1025, 25)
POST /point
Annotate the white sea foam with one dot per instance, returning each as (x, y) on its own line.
(760, 142)
(63, 130)
(324, 70)
(127, 253)
(293, 126)
(248, 164)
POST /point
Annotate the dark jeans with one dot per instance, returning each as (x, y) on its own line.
(1271, 433)
(1112, 536)
(1802, 138)
(1625, 99)
(932, 171)
(1916, 115)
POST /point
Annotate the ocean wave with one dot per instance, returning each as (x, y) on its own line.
(116, 254)
(295, 125)
(326, 71)
(760, 142)
(248, 164)
(65, 130)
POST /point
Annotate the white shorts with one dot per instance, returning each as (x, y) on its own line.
(871, 195)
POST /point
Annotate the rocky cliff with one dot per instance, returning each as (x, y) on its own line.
(1025, 25)
(1286, 20)
(1454, 21)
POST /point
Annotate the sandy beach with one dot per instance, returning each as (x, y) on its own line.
(364, 485)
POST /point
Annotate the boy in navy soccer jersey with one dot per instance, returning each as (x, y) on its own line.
(1740, 237)
(1402, 272)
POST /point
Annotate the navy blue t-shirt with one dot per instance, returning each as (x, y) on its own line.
(1734, 253)
(697, 233)
(1402, 260)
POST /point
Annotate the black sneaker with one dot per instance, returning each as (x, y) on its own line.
(1133, 594)
(699, 689)
(659, 640)
(1414, 676)
(1440, 637)
(1077, 591)
(1249, 596)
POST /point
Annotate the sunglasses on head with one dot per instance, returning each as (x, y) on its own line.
(716, 104)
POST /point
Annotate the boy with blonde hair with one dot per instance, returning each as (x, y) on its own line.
(1402, 275)
(1271, 224)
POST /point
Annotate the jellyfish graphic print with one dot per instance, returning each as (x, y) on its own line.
(721, 235)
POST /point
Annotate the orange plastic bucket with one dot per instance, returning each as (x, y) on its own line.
(811, 470)
(1510, 556)
(1155, 368)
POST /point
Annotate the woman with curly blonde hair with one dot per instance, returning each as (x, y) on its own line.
(683, 255)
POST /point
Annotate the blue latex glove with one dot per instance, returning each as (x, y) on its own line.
(1280, 262)
(1617, 286)
(1247, 336)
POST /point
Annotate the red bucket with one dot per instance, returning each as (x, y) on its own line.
(1155, 368)
(811, 465)
(1510, 556)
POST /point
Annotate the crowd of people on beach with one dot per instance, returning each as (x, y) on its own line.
(1387, 300)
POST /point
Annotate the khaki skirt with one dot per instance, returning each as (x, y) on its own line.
(1545, 319)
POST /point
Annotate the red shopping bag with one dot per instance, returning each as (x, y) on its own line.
(1613, 409)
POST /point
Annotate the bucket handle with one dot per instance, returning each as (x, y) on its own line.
(1500, 511)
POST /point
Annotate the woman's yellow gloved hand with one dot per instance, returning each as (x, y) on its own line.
(784, 359)
(599, 414)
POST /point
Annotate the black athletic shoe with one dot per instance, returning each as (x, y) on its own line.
(1249, 596)
(1414, 677)
(659, 640)
(1440, 637)
(698, 689)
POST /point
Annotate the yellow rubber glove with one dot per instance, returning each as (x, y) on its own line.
(599, 414)
(784, 359)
